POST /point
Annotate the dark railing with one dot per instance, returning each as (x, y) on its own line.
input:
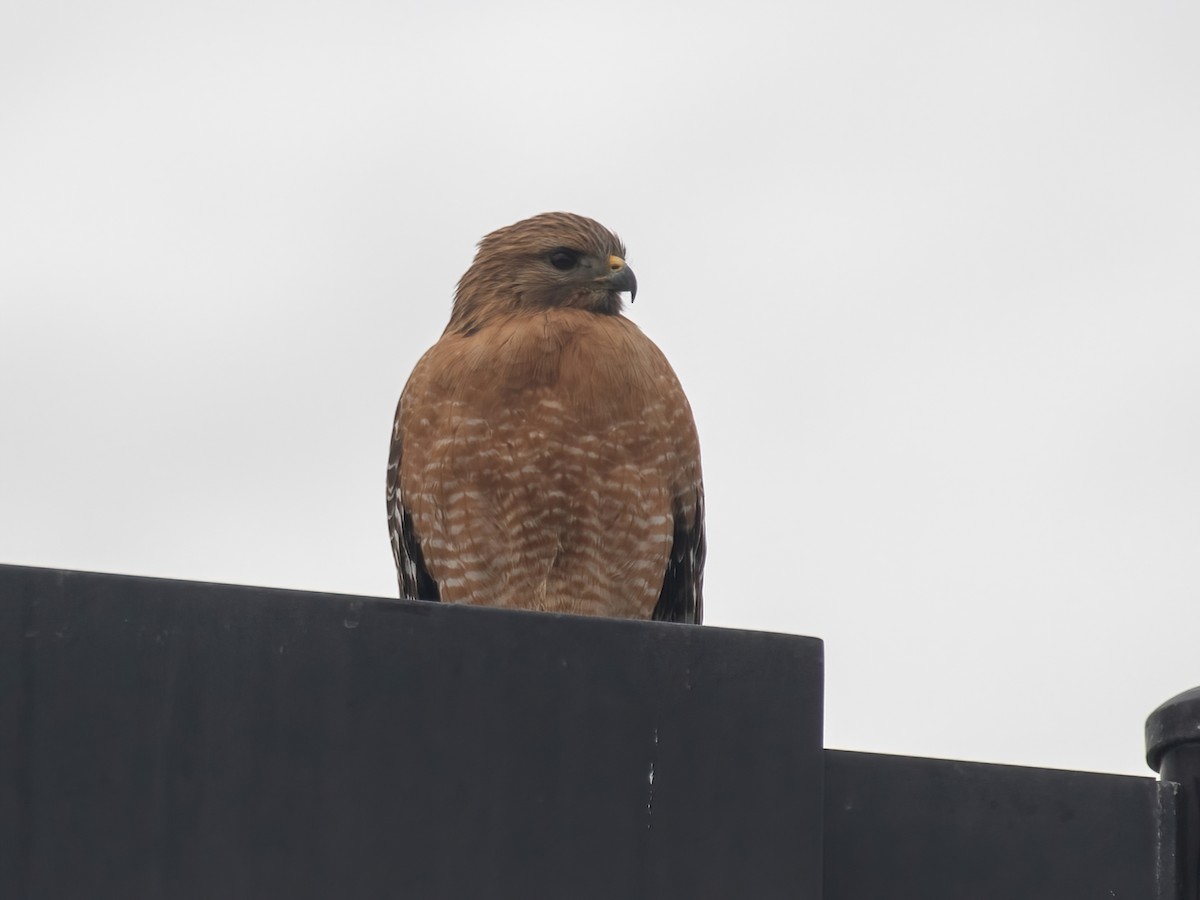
(167, 739)
(1173, 750)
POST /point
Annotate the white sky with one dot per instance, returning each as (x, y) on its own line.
(929, 271)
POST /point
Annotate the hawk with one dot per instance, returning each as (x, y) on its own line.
(544, 455)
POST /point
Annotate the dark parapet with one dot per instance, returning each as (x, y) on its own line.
(901, 827)
(168, 739)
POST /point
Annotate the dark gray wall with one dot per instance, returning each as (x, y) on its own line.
(168, 739)
(931, 829)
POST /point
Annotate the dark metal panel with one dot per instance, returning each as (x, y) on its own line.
(925, 829)
(175, 739)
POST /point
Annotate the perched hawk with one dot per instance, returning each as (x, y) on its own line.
(544, 455)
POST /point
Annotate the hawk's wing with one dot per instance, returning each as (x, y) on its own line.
(415, 581)
(682, 598)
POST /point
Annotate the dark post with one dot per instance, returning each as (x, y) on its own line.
(1173, 750)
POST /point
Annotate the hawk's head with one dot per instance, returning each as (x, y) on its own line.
(555, 259)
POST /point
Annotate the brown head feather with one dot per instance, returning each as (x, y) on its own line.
(514, 270)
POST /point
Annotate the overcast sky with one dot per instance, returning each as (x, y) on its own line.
(929, 272)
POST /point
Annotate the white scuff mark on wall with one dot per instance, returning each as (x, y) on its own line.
(650, 787)
(650, 797)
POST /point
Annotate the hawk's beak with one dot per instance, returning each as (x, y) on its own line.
(621, 277)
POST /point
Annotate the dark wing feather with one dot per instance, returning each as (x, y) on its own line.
(682, 598)
(415, 581)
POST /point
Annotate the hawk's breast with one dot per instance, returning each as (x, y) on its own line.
(545, 455)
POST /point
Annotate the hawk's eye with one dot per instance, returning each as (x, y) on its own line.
(564, 259)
